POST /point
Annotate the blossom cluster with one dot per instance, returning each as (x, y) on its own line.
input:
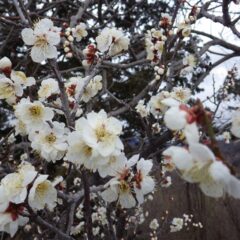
(24, 189)
(197, 163)
(56, 118)
(156, 104)
(128, 184)
(12, 83)
(94, 140)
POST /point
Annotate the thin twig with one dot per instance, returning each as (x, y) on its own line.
(20, 12)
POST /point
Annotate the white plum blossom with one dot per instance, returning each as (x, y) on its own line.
(9, 90)
(182, 112)
(143, 183)
(199, 165)
(5, 65)
(20, 78)
(112, 40)
(13, 186)
(181, 94)
(141, 108)
(11, 219)
(111, 165)
(156, 104)
(119, 188)
(50, 141)
(126, 184)
(79, 153)
(79, 31)
(154, 225)
(101, 132)
(15, 189)
(154, 42)
(189, 63)
(176, 225)
(33, 114)
(44, 38)
(42, 193)
(48, 87)
(91, 89)
(184, 29)
(190, 60)
(235, 128)
(76, 84)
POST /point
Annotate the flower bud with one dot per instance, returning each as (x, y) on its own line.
(69, 55)
(70, 38)
(66, 49)
(5, 63)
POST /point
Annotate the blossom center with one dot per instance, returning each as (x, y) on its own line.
(35, 111)
(112, 160)
(41, 41)
(87, 150)
(51, 138)
(71, 89)
(138, 179)
(124, 186)
(41, 189)
(101, 133)
(14, 210)
(180, 95)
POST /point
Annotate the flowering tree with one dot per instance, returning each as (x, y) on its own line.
(98, 99)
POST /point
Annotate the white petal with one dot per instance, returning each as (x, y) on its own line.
(175, 119)
(53, 38)
(13, 227)
(180, 157)
(28, 36)
(212, 189)
(133, 160)
(220, 172)
(170, 102)
(51, 52)
(43, 26)
(147, 185)
(37, 54)
(191, 133)
(139, 195)
(201, 153)
(127, 200)
(109, 195)
(144, 165)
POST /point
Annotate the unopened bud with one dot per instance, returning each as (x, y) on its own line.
(67, 33)
(5, 63)
(66, 43)
(66, 49)
(70, 38)
(69, 55)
